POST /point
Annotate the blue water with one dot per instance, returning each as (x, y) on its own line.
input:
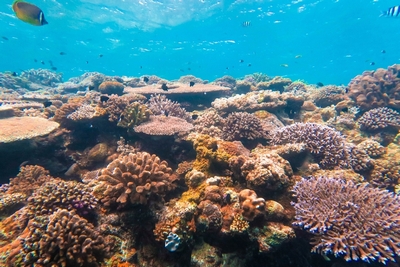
(315, 41)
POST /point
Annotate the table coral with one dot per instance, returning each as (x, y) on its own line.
(134, 178)
(161, 125)
(64, 239)
(343, 222)
(379, 88)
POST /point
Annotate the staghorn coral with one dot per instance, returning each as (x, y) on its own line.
(164, 125)
(63, 239)
(84, 112)
(59, 194)
(111, 87)
(161, 105)
(134, 114)
(327, 145)
(386, 172)
(343, 222)
(374, 89)
(10, 200)
(379, 119)
(359, 159)
(134, 178)
(242, 125)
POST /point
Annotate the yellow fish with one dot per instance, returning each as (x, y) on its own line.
(29, 13)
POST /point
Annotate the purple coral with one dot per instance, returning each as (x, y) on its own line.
(161, 105)
(327, 145)
(242, 125)
(351, 220)
(379, 118)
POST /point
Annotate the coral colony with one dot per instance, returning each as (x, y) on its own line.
(115, 171)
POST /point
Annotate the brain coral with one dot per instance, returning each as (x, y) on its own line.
(134, 178)
(326, 144)
(379, 88)
(63, 239)
(242, 125)
(350, 220)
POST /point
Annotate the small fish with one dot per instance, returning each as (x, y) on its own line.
(100, 55)
(191, 84)
(5, 38)
(51, 63)
(164, 87)
(372, 63)
(47, 103)
(87, 62)
(14, 74)
(35, 60)
(141, 67)
(249, 65)
(241, 61)
(53, 68)
(284, 65)
(319, 84)
(104, 98)
(246, 23)
(62, 53)
(145, 79)
(29, 13)
(90, 87)
(383, 51)
(298, 56)
(42, 62)
(391, 12)
(194, 116)
(227, 198)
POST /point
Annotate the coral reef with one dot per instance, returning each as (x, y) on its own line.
(134, 114)
(242, 125)
(327, 145)
(374, 89)
(64, 239)
(163, 126)
(134, 178)
(161, 105)
(343, 222)
(329, 95)
(379, 119)
(111, 87)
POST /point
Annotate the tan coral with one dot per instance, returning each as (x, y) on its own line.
(164, 126)
(21, 128)
(134, 178)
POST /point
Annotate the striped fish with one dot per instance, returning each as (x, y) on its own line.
(392, 12)
(246, 23)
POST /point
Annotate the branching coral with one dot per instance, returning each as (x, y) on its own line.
(326, 144)
(60, 194)
(134, 178)
(210, 122)
(29, 178)
(242, 125)
(133, 115)
(380, 119)
(64, 239)
(372, 148)
(357, 222)
(160, 105)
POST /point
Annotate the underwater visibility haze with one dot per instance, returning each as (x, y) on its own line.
(177, 133)
(317, 41)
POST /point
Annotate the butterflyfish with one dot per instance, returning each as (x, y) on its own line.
(29, 13)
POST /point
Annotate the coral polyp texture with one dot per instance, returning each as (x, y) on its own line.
(379, 119)
(134, 179)
(65, 239)
(374, 89)
(353, 221)
(242, 125)
(327, 145)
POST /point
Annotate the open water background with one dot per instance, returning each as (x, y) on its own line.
(324, 41)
